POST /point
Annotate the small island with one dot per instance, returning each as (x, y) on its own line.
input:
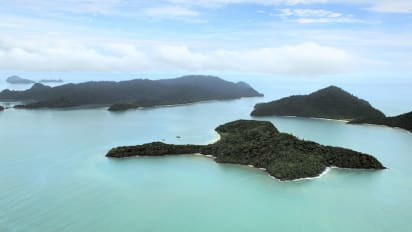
(403, 121)
(1, 108)
(18, 80)
(131, 94)
(331, 103)
(261, 145)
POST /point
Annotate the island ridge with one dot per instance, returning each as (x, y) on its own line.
(131, 94)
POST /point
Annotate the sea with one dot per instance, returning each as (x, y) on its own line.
(54, 175)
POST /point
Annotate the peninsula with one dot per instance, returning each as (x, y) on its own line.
(403, 121)
(136, 93)
(331, 102)
(18, 80)
(260, 144)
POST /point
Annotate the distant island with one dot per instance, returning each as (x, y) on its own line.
(403, 121)
(136, 93)
(51, 81)
(1, 108)
(331, 102)
(19, 80)
(261, 145)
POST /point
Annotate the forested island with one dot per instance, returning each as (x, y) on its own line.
(331, 102)
(403, 121)
(259, 143)
(136, 93)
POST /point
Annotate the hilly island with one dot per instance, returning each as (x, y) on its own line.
(136, 93)
(260, 144)
(331, 102)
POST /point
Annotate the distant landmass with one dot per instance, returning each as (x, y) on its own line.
(19, 80)
(131, 94)
(1, 108)
(51, 81)
(260, 144)
(331, 102)
(403, 121)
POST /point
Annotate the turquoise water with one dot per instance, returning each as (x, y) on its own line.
(54, 175)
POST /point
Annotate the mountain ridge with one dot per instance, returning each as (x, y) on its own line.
(132, 93)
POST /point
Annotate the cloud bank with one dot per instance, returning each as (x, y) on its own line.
(62, 54)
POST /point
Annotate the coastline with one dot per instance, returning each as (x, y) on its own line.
(326, 119)
(327, 169)
(329, 119)
(346, 121)
(195, 102)
(399, 129)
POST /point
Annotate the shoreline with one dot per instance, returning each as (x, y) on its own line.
(346, 121)
(250, 166)
(195, 102)
(327, 169)
(329, 119)
(400, 129)
(326, 119)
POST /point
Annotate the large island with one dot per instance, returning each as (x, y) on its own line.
(136, 93)
(260, 144)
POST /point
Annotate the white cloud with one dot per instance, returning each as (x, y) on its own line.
(402, 6)
(218, 3)
(381, 6)
(50, 53)
(128, 7)
(170, 11)
(74, 6)
(306, 16)
(385, 6)
(310, 13)
(327, 20)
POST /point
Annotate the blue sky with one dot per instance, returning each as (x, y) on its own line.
(276, 37)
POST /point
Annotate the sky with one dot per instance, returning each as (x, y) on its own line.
(307, 38)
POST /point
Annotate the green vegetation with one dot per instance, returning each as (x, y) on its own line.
(331, 102)
(260, 144)
(403, 121)
(131, 94)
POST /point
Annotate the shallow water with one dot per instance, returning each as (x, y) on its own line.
(55, 177)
